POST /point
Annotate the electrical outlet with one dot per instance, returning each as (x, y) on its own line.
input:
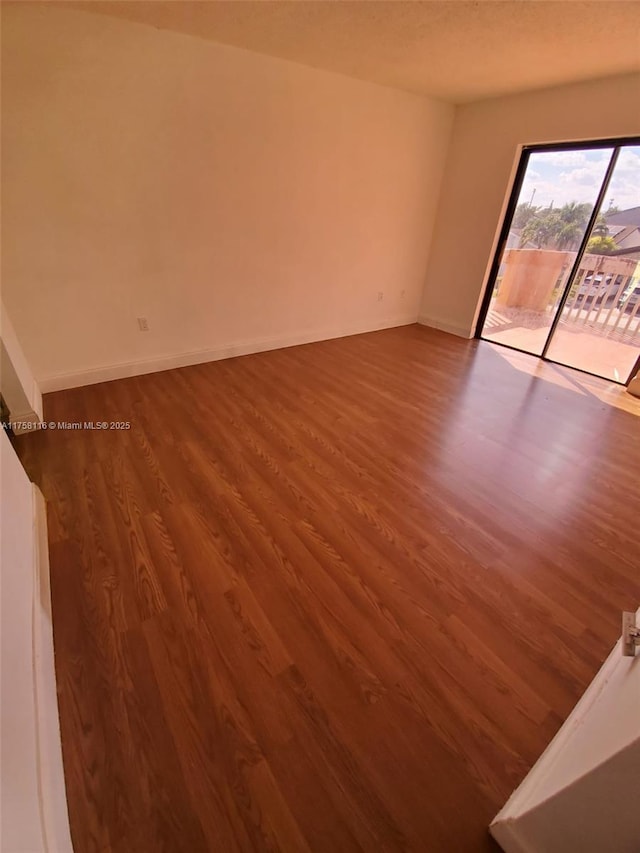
(380, 295)
(143, 325)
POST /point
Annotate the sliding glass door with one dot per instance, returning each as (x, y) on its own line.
(599, 327)
(565, 282)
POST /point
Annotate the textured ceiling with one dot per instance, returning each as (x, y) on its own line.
(452, 49)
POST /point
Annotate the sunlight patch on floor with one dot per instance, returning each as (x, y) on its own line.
(573, 380)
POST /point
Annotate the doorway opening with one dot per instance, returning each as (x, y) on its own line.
(565, 280)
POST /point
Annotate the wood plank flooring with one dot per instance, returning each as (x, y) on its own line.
(336, 597)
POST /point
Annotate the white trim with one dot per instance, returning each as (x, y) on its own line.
(22, 422)
(509, 827)
(451, 328)
(496, 237)
(62, 381)
(525, 792)
(51, 784)
(19, 388)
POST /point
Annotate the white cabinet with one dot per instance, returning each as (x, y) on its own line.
(583, 793)
(32, 793)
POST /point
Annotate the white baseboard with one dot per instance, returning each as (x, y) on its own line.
(62, 381)
(22, 422)
(460, 331)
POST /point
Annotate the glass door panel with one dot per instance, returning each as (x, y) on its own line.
(599, 326)
(556, 199)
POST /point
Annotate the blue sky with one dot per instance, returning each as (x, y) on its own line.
(564, 176)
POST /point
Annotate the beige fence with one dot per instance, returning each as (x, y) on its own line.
(604, 298)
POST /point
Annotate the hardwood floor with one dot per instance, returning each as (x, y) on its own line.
(330, 598)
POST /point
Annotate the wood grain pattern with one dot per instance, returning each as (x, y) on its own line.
(331, 598)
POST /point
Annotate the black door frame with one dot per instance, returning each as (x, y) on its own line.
(616, 143)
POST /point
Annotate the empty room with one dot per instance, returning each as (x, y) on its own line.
(320, 389)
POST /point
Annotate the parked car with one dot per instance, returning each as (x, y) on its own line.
(599, 289)
(628, 302)
(593, 288)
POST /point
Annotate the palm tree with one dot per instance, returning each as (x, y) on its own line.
(561, 228)
(576, 212)
(600, 229)
(574, 216)
(524, 212)
(569, 236)
(539, 230)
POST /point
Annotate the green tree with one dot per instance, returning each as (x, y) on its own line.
(575, 212)
(524, 212)
(569, 235)
(574, 217)
(600, 229)
(557, 229)
(540, 230)
(601, 245)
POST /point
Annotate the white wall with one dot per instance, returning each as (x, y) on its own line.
(580, 793)
(236, 201)
(22, 828)
(480, 167)
(33, 808)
